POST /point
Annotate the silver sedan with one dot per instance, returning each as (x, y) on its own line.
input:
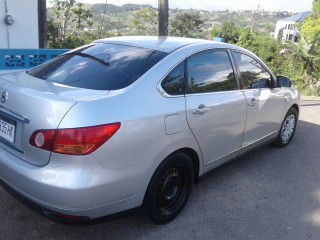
(135, 121)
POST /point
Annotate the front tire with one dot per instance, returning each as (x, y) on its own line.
(288, 128)
(169, 188)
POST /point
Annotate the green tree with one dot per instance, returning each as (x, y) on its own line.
(246, 37)
(228, 31)
(300, 62)
(310, 27)
(186, 24)
(145, 21)
(65, 22)
(263, 46)
(309, 54)
(306, 63)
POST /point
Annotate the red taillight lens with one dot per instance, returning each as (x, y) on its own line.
(74, 141)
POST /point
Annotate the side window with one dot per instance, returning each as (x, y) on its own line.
(173, 83)
(253, 75)
(210, 71)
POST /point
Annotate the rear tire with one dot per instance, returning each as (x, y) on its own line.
(288, 128)
(169, 188)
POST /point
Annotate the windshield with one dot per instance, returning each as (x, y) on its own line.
(99, 66)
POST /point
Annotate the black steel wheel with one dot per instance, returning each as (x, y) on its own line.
(169, 188)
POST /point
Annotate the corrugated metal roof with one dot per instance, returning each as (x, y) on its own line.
(297, 18)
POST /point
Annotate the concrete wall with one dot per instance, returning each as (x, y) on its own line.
(23, 33)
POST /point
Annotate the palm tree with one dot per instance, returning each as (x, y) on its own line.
(307, 55)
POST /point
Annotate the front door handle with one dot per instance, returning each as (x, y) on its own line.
(252, 102)
(201, 110)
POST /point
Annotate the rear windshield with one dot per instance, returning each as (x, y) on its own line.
(99, 66)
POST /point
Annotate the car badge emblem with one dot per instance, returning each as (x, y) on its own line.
(4, 97)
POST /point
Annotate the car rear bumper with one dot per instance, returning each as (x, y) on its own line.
(75, 188)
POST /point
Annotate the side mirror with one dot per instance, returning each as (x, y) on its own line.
(283, 81)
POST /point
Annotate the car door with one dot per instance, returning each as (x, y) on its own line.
(216, 110)
(265, 102)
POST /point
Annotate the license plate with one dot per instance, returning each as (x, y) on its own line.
(7, 129)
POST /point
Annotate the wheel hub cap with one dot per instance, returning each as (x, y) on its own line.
(287, 128)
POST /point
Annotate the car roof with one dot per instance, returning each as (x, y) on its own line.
(161, 43)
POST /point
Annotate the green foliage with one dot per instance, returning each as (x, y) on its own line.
(186, 24)
(134, 7)
(300, 62)
(98, 8)
(309, 53)
(65, 22)
(310, 28)
(245, 37)
(263, 46)
(145, 21)
(117, 20)
(228, 31)
(311, 25)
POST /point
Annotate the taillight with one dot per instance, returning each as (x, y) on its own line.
(74, 141)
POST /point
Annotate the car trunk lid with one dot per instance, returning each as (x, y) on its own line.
(29, 104)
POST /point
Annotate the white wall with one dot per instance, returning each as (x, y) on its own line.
(280, 24)
(24, 32)
(292, 30)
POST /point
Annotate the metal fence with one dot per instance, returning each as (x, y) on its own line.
(13, 59)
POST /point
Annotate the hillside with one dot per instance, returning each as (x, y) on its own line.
(117, 20)
(118, 17)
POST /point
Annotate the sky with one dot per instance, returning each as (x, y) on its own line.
(283, 5)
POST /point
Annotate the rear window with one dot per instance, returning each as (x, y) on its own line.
(99, 66)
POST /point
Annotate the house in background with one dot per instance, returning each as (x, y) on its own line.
(287, 28)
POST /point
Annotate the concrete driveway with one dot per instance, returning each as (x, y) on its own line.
(269, 194)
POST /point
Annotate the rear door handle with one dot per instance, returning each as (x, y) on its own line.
(252, 102)
(201, 110)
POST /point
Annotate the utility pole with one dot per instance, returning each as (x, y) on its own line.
(102, 22)
(254, 18)
(163, 17)
(42, 23)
